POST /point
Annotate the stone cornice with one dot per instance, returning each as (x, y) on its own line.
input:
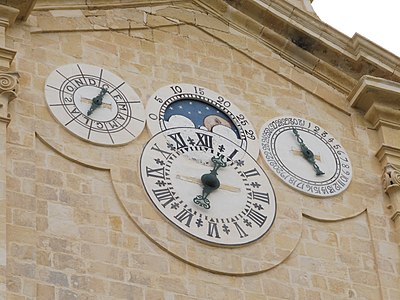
(8, 15)
(370, 90)
(296, 35)
(379, 100)
(24, 8)
(6, 58)
(318, 48)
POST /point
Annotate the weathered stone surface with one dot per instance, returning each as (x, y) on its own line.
(77, 222)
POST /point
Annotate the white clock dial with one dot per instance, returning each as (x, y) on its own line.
(188, 105)
(305, 156)
(94, 104)
(230, 205)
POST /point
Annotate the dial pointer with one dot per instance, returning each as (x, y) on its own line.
(307, 153)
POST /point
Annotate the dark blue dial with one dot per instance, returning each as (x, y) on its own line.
(200, 113)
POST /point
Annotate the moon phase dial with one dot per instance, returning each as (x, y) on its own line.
(188, 105)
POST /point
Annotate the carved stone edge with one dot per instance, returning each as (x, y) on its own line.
(379, 100)
(8, 15)
(9, 86)
(390, 177)
(391, 185)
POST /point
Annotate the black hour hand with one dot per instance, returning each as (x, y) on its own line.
(97, 101)
(210, 182)
(307, 153)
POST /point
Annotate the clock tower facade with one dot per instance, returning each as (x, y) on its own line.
(195, 149)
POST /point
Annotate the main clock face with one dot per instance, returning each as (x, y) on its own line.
(305, 156)
(188, 105)
(94, 104)
(239, 211)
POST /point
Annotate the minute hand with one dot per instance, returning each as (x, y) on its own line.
(307, 153)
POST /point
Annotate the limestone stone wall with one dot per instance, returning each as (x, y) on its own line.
(79, 224)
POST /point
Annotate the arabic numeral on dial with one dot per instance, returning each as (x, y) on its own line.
(250, 134)
(316, 128)
(324, 134)
(199, 90)
(242, 119)
(158, 99)
(154, 117)
(346, 166)
(176, 89)
(221, 100)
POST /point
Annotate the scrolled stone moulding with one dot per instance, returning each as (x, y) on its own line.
(391, 185)
(9, 85)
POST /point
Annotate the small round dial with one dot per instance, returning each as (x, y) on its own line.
(188, 105)
(94, 104)
(228, 201)
(305, 156)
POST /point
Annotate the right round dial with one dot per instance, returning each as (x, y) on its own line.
(305, 156)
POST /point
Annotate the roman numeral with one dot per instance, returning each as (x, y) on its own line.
(213, 230)
(205, 140)
(157, 173)
(230, 157)
(164, 196)
(252, 172)
(164, 153)
(183, 215)
(242, 233)
(257, 217)
(264, 197)
(180, 143)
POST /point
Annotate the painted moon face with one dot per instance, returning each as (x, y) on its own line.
(213, 120)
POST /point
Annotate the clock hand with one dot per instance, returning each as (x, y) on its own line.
(307, 153)
(225, 187)
(97, 101)
(89, 101)
(210, 182)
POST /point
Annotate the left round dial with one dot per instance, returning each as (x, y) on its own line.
(94, 104)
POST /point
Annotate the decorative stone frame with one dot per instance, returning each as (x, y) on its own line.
(379, 99)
